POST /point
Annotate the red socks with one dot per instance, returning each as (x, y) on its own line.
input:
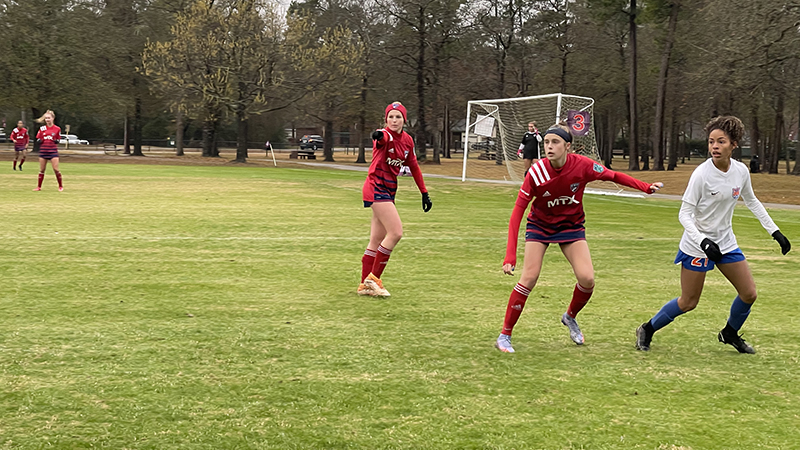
(515, 304)
(367, 261)
(381, 258)
(580, 296)
(15, 164)
(41, 178)
(58, 177)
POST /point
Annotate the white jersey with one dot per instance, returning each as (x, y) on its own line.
(708, 205)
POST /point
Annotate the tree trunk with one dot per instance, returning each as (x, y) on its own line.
(362, 122)
(646, 152)
(501, 73)
(661, 91)
(421, 140)
(448, 136)
(179, 132)
(137, 128)
(672, 151)
(796, 170)
(327, 147)
(241, 136)
(126, 135)
(34, 129)
(611, 132)
(633, 121)
(777, 137)
(210, 138)
(755, 137)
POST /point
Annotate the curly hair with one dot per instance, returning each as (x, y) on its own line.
(730, 125)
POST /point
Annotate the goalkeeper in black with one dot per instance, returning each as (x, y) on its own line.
(529, 148)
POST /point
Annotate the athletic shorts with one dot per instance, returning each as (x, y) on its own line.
(19, 149)
(533, 233)
(530, 153)
(372, 193)
(48, 155)
(704, 264)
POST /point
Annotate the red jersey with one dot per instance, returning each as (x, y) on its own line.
(557, 196)
(20, 138)
(388, 156)
(50, 137)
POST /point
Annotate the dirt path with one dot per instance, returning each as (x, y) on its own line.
(780, 188)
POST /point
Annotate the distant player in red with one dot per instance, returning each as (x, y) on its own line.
(47, 137)
(392, 149)
(20, 138)
(555, 184)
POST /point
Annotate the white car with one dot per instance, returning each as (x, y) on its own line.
(72, 139)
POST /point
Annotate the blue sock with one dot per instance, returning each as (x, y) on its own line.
(739, 312)
(668, 313)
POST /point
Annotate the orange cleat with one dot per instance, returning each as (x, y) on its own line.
(376, 285)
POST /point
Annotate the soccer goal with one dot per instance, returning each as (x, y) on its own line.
(494, 130)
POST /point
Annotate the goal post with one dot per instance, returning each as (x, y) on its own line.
(494, 129)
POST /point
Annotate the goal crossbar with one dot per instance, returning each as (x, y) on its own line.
(492, 107)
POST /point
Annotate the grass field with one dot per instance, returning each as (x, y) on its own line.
(165, 307)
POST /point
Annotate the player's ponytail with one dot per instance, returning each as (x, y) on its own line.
(49, 111)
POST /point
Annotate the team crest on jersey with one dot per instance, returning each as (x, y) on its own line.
(736, 191)
(574, 186)
(598, 168)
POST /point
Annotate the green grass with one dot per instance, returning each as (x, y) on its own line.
(158, 307)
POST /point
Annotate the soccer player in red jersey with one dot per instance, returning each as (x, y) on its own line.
(555, 184)
(48, 136)
(20, 138)
(392, 148)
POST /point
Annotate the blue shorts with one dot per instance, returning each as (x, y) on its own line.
(704, 264)
(533, 233)
(378, 200)
(48, 155)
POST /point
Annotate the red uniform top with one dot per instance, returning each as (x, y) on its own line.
(388, 155)
(50, 137)
(557, 196)
(20, 138)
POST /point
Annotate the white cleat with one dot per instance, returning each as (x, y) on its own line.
(574, 330)
(364, 290)
(503, 344)
(376, 285)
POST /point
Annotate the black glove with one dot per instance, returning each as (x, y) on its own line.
(377, 135)
(711, 249)
(39, 141)
(427, 204)
(785, 244)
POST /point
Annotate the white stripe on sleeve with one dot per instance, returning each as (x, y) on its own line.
(534, 176)
(540, 180)
(544, 170)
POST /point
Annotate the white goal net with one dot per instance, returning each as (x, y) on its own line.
(495, 128)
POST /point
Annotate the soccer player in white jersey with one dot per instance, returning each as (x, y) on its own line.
(555, 184)
(708, 240)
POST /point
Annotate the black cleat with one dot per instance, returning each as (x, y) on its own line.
(734, 339)
(643, 338)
